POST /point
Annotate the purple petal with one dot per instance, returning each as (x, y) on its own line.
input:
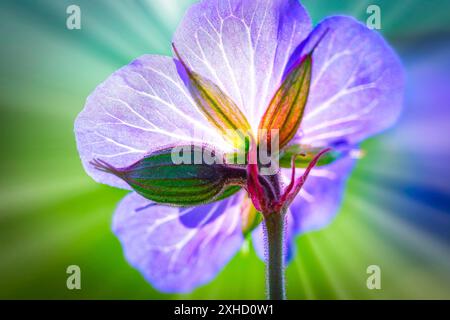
(321, 196)
(357, 84)
(243, 46)
(258, 236)
(140, 108)
(178, 249)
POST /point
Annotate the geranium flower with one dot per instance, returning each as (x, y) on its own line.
(239, 66)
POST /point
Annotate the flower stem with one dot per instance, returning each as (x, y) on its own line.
(274, 223)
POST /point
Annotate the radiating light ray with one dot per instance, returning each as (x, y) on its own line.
(29, 250)
(375, 248)
(389, 250)
(166, 23)
(345, 259)
(304, 278)
(47, 72)
(404, 231)
(403, 174)
(173, 10)
(145, 25)
(357, 250)
(426, 203)
(28, 196)
(359, 9)
(407, 233)
(329, 272)
(54, 25)
(392, 15)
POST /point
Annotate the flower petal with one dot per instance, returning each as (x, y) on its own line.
(178, 249)
(140, 108)
(356, 87)
(243, 46)
(320, 198)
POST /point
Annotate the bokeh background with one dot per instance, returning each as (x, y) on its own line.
(396, 211)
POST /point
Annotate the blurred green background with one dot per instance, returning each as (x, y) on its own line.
(396, 212)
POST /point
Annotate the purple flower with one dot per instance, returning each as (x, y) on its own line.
(247, 50)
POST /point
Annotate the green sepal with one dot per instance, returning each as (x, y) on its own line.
(285, 111)
(220, 110)
(159, 178)
(307, 154)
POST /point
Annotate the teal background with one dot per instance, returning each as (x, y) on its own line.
(396, 211)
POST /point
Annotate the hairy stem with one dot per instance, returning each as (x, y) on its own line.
(274, 223)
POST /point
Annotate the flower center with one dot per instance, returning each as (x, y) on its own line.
(265, 191)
